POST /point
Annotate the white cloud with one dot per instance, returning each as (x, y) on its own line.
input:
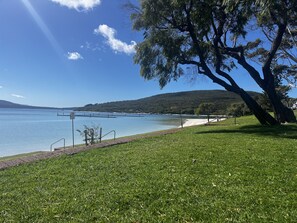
(78, 4)
(74, 56)
(17, 96)
(117, 45)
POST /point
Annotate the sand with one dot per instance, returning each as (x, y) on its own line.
(193, 122)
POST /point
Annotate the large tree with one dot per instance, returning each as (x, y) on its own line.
(217, 37)
(286, 56)
(277, 21)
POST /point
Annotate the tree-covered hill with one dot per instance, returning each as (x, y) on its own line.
(185, 102)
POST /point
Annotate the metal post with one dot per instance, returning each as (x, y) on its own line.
(181, 120)
(100, 134)
(86, 137)
(72, 133)
(72, 117)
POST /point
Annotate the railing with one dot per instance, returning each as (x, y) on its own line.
(57, 142)
(114, 135)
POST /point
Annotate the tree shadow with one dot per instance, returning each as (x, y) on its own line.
(282, 131)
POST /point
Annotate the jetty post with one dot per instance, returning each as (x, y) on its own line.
(72, 117)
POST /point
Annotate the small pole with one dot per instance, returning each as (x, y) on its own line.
(181, 120)
(86, 137)
(72, 117)
(92, 136)
(72, 133)
(100, 134)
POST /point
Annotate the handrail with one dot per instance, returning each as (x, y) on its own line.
(57, 142)
(114, 135)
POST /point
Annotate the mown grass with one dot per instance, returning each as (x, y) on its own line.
(8, 158)
(216, 173)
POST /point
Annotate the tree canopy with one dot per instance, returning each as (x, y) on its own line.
(218, 37)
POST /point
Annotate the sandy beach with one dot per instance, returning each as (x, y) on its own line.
(193, 122)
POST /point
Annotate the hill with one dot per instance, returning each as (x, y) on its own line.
(174, 103)
(8, 104)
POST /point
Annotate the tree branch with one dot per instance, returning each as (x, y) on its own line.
(274, 47)
(202, 63)
(238, 54)
(289, 55)
(218, 63)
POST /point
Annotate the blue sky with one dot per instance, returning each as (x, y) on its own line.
(74, 52)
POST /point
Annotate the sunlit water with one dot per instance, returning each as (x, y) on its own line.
(29, 130)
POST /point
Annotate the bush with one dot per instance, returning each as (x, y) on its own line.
(238, 109)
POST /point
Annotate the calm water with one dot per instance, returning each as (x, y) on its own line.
(28, 130)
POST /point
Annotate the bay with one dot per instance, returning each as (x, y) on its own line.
(30, 130)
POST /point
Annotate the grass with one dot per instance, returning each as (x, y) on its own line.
(8, 158)
(216, 173)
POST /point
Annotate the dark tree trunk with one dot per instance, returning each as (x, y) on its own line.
(281, 112)
(264, 117)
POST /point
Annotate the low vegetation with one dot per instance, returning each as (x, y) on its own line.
(217, 173)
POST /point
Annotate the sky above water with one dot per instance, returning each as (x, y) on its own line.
(65, 53)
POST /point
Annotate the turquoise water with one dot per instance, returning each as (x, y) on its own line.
(29, 130)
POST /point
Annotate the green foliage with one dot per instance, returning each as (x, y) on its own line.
(168, 38)
(90, 135)
(205, 109)
(216, 173)
(271, 13)
(238, 110)
(263, 100)
(216, 37)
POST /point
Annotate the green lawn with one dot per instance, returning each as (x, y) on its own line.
(8, 158)
(217, 173)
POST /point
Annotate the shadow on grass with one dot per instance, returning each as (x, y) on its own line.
(282, 131)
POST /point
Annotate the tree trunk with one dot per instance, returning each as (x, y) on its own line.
(281, 112)
(264, 117)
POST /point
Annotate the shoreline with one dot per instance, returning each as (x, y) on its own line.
(186, 123)
(193, 122)
(30, 158)
(20, 159)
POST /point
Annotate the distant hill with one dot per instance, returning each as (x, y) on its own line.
(174, 103)
(8, 104)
